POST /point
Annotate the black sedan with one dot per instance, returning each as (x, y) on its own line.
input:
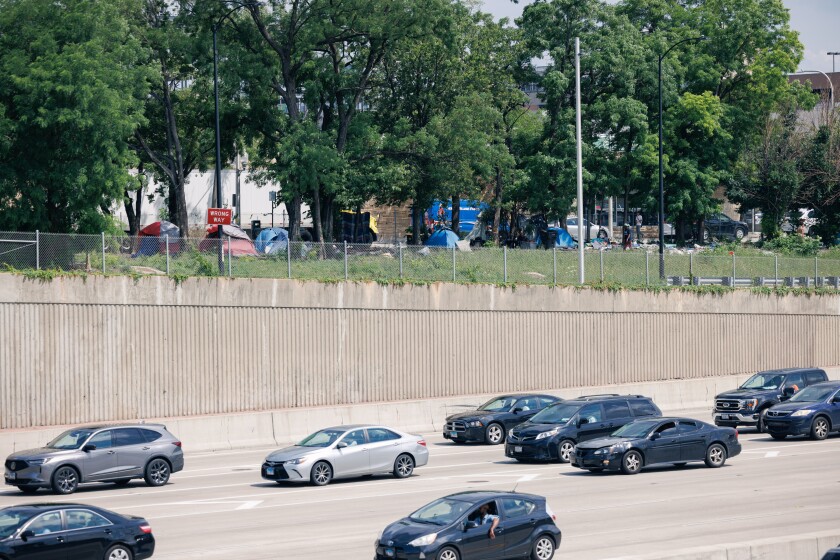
(474, 526)
(655, 441)
(73, 532)
(491, 422)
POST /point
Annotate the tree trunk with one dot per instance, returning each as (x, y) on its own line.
(293, 209)
(316, 214)
(456, 214)
(416, 221)
(497, 201)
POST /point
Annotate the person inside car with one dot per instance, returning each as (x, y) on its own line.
(487, 518)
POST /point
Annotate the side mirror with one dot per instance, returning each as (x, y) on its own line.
(89, 447)
(26, 535)
(788, 392)
(582, 421)
(341, 445)
(516, 410)
(655, 436)
(470, 525)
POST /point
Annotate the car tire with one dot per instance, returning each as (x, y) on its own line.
(494, 434)
(157, 472)
(820, 428)
(321, 473)
(543, 548)
(118, 552)
(740, 233)
(707, 235)
(631, 463)
(403, 466)
(448, 553)
(762, 422)
(28, 489)
(65, 480)
(779, 437)
(715, 456)
(564, 450)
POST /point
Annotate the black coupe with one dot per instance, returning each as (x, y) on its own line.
(491, 422)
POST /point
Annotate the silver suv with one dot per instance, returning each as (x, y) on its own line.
(115, 454)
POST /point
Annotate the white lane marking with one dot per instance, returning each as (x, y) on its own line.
(249, 504)
(527, 478)
(771, 454)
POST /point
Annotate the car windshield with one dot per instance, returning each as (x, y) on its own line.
(440, 512)
(813, 394)
(10, 520)
(557, 414)
(637, 429)
(324, 438)
(71, 439)
(768, 381)
(498, 404)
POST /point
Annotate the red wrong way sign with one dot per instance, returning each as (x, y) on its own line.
(219, 216)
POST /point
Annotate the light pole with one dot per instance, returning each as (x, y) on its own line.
(832, 55)
(661, 177)
(218, 140)
(830, 85)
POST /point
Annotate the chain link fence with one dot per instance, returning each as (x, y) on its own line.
(235, 257)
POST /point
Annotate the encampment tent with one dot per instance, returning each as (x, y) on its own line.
(563, 240)
(271, 240)
(154, 237)
(442, 238)
(240, 244)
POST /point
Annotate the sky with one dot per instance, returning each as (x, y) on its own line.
(817, 22)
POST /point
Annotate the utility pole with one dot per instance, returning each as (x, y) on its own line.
(581, 275)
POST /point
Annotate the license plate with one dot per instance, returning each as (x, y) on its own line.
(724, 417)
(517, 449)
(453, 434)
(389, 552)
(11, 475)
(269, 471)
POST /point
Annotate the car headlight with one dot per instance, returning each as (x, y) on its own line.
(803, 412)
(549, 433)
(298, 461)
(750, 403)
(424, 540)
(474, 424)
(603, 451)
(37, 462)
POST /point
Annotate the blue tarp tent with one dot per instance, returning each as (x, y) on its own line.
(563, 239)
(271, 240)
(442, 238)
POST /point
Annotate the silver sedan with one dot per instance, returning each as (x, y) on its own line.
(347, 451)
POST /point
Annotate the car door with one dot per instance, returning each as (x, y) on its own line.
(353, 457)
(99, 463)
(692, 440)
(664, 444)
(132, 452)
(834, 410)
(88, 534)
(45, 539)
(520, 517)
(522, 410)
(591, 423)
(476, 544)
(616, 414)
(384, 446)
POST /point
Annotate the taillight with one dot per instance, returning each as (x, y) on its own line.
(422, 442)
(146, 528)
(550, 513)
(176, 443)
(736, 434)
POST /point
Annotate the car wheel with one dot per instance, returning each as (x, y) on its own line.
(707, 235)
(157, 472)
(631, 463)
(448, 553)
(27, 489)
(715, 456)
(779, 437)
(565, 449)
(65, 480)
(543, 548)
(762, 422)
(122, 481)
(494, 434)
(819, 428)
(118, 552)
(740, 233)
(321, 474)
(403, 466)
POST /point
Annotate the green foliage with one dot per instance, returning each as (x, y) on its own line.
(795, 245)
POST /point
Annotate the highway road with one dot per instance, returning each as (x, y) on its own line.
(220, 508)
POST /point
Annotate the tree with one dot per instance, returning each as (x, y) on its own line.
(72, 85)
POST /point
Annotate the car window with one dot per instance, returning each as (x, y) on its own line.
(128, 436)
(515, 507)
(592, 413)
(102, 440)
(46, 524)
(526, 404)
(795, 381)
(544, 402)
(814, 393)
(381, 434)
(814, 377)
(667, 429)
(498, 404)
(723, 218)
(440, 512)
(356, 437)
(616, 409)
(71, 439)
(324, 438)
(10, 520)
(641, 407)
(475, 515)
(688, 426)
(150, 435)
(84, 519)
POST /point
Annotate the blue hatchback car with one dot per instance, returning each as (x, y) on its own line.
(451, 528)
(814, 411)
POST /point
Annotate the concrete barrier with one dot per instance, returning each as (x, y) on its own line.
(803, 547)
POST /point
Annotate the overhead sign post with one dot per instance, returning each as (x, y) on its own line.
(219, 216)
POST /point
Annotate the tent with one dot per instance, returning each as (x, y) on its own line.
(442, 238)
(154, 237)
(271, 240)
(240, 244)
(563, 240)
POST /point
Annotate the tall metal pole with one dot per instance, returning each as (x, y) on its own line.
(830, 84)
(661, 185)
(581, 275)
(218, 145)
(832, 55)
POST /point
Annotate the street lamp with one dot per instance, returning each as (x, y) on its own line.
(661, 179)
(832, 55)
(830, 85)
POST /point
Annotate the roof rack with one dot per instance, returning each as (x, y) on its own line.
(601, 396)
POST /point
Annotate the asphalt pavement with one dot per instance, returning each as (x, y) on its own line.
(220, 508)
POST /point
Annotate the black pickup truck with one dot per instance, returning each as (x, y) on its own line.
(747, 405)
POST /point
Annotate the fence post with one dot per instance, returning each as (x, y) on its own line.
(345, 260)
(401, 260)
(554, 258)
(37, 249)
(733, 269)
(504, 252)
(775, 270)
(289, 257)
(167, 255)
(647, 268)
(601, 254)
(691, 268)
(230, 260)
(816, 272)
(453, 263)
(103, 252)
